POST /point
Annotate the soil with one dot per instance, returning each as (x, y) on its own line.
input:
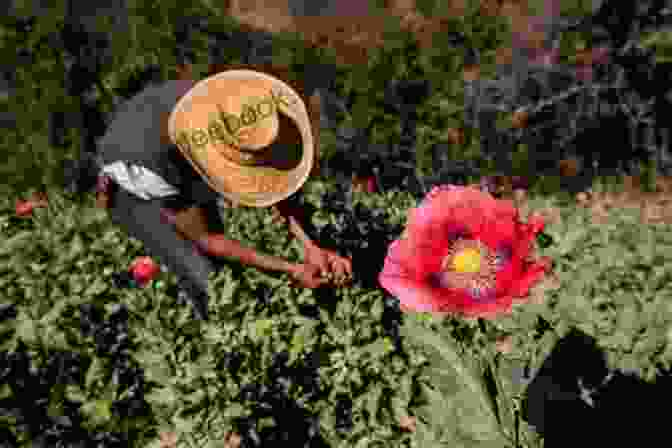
(654, 207)
(350, 35)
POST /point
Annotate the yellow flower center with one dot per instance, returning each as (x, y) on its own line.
(467, 261)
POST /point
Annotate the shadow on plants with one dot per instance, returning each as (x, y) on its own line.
(34, 381)
(357, 231)
(138, 80)
(575, 399)
(294, 425)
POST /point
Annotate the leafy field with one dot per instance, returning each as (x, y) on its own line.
(343, 365)
(89, 360)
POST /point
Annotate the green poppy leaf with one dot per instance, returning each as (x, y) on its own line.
(456, 381)
(16, 243)
(26, 329)
(74, 393)
(95, 372)
(98, 412)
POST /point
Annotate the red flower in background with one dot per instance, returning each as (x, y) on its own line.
(463, 252)
(144, 269)
(24, 208)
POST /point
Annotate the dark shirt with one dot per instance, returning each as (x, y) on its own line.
(135, 138)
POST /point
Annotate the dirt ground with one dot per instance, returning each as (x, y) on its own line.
(350, 34)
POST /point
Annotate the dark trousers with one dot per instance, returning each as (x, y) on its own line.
(141, 219)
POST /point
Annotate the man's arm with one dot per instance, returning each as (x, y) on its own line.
(219, 246)
(192, 224)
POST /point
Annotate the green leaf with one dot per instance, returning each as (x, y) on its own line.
(184, 426)
(511, 372)
(16, 243)
(259, 329)
(163, 397)
(364, 442)
(460, 406)
(156, 367)
(301, 336)
(379, 348)
(74, 393)
(55, 338)
(5, 391)
(76, 248)
(234, 411)
(54, 312)
(98, 412)
(27, 330)
(96, 288)
(373, 403)
(425, 436)
(95, 372)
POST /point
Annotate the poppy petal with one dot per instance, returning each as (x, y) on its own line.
(533, 273)
(536, 223)
(413, 295)
(415, 261)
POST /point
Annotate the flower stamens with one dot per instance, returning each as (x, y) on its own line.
(470, 266)
(468, 260)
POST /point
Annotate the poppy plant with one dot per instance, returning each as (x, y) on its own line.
(463, 252)
(144, 269)
(24, 208)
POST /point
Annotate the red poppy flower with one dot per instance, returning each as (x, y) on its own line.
(463, 252)
(24, 208)
(144, 269)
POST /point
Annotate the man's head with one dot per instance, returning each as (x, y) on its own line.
(248, 134)
(298, 83)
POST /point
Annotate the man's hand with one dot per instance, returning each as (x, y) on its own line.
(328, 262)
(308, 275)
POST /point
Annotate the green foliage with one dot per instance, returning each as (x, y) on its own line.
(456, 407)
(613, 277)
(613, 280)
(661, 43)
(64, 258)
(151, 41)
(362, 363)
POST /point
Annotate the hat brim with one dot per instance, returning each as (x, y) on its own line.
(253, 186)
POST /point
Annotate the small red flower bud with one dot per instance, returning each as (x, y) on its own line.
(24, 208)
(144, 269)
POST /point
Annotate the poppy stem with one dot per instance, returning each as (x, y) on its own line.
(507, 402)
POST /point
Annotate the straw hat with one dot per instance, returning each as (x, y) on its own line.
(247, 133)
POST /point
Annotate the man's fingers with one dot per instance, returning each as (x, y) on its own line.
(343, 266)
(339, 268)
(324, 265)
(320, 269)
(348, 266)
(342, 276)
(317, 282)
